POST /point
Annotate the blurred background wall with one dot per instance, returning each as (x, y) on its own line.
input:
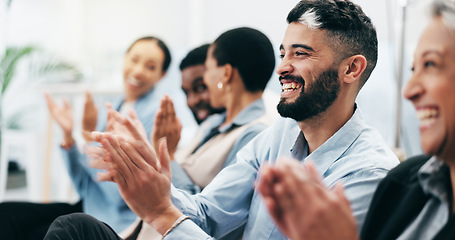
(91, 37)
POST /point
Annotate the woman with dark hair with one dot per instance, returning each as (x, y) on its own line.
(145, 64)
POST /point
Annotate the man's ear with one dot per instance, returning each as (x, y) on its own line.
(352, 68)
(228, 71)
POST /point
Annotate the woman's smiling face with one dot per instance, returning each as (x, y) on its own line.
(142, 68)
(432, 89)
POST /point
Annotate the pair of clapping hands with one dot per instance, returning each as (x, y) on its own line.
(141, 168)
(302, 206)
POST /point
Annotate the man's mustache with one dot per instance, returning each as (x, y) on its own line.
(292, 78)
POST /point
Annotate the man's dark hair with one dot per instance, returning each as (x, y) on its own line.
(162, 45)
(349, 30)
(250, 52)
(195, 57)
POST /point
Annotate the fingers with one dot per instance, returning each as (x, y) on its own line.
(312, 171)
(109, 106)
(66, 105)
(339, 191)
(142, 154)
(49, 100)
(169, 111)
(94, 152)
(111, 120)
(112, 177)
(164, 157)
(97, 136)
(133, 116)
(294, 184)
(119, 159)
(159, 124)
(266, 180)
(265, 186)
(135, 129)
(89, 103)
(52, 104)
(88, 97)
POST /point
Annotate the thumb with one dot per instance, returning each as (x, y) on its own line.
(133, 115)
(164, 157)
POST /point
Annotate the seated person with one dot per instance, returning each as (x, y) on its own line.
(416, 199)
(328, 52)
(197, 93)
(145, 64)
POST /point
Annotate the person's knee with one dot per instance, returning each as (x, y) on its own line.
(74, 219)
(67, 225)
(79, 226)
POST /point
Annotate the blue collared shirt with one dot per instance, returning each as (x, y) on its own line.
(356, 155)
(434, 178)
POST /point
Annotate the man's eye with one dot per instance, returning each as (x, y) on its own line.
(200, 88)
(301, 53)
(281, 56)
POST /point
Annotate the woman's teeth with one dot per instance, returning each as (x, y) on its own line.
(427, 116)
(134, 82)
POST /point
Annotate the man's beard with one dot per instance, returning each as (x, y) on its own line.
(319, 96)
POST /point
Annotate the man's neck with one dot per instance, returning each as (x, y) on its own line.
(319, 129)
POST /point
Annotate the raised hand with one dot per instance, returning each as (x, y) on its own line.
(300, 204)
(90, 117)
(64, 117)
(168, 125)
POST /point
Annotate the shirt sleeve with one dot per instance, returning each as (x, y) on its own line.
(77, 171)
(181, 180)
(187, 230)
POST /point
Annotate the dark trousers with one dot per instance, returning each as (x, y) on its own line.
(30, 221)
(78, 226)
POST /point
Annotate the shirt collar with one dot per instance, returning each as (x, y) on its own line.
(248, 114)
(337, 144)
(434, 177)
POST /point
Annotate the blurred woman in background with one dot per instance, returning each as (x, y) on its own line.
(145, 64)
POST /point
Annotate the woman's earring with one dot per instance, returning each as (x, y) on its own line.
(220, 85)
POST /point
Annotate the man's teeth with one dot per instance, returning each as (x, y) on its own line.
(427, 116)
(287, 87)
